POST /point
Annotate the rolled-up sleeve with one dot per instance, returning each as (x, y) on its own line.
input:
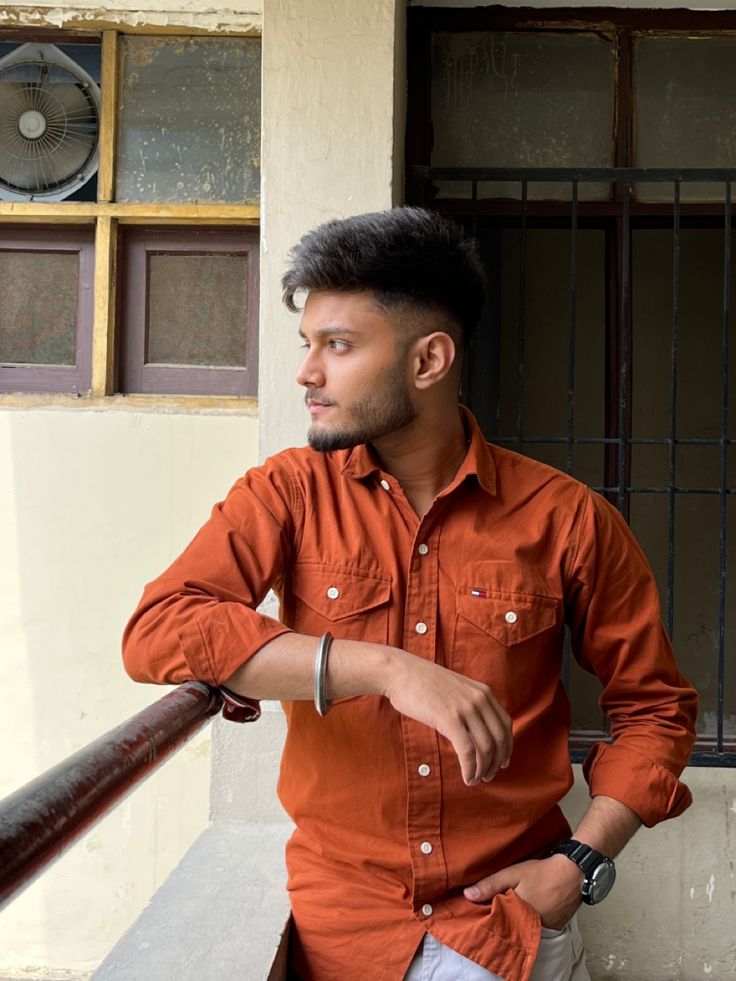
(617, 633)
(198, 620)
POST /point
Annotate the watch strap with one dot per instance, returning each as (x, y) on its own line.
(585, 857)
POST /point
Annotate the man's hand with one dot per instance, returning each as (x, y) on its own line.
(550, 885)
(462, 710)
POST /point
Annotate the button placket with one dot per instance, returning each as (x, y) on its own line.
(421, 749)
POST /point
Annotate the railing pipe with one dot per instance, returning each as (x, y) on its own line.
(41, 820)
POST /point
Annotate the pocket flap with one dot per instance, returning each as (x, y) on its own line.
(509, 618)
(335, 593)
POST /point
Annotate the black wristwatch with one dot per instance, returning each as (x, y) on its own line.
(599, 872)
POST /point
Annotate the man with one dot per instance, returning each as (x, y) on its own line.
(427, 743)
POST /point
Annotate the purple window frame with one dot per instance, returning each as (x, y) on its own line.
(137, 377)
(77, 378)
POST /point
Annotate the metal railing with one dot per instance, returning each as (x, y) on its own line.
(41, 820)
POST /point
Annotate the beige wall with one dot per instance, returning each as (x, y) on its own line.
(93, 503)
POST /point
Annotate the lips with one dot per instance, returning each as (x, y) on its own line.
(317, 406)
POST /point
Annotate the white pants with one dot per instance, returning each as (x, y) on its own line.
(561, 958)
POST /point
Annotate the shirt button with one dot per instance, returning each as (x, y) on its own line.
(511, 617)
(385, 484)
(333, 592)
(423, 549)
(421, 628)
(424, 769)
(427, 909)
(426, 848)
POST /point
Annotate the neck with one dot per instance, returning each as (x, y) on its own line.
(425, 456)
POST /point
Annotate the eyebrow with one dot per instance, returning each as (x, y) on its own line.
(329, 331)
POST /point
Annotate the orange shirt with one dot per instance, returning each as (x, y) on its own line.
(387, 832)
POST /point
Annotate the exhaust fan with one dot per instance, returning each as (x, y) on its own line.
(49, 124)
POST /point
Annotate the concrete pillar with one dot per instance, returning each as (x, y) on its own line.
(333, 123)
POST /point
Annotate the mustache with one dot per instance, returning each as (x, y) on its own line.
(317, 395)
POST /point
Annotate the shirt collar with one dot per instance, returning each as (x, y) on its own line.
(360, 461)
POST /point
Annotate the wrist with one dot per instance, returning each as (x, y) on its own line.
(598, 871)
(360, 668)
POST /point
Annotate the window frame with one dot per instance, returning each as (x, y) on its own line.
(108, 217)
(622, 213)
(75, 378)
(139, 377)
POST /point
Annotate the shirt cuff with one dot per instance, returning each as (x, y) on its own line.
(650, 790)
(238, 708)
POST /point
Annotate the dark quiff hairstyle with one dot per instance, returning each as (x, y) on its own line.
(406, 257)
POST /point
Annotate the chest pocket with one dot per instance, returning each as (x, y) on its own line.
(351, 605)
(511, 641)
(509, 618)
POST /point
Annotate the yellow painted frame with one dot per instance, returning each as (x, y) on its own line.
(107, 216)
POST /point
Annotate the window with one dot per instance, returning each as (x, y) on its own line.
(606, 349)
(46, 309)
(190, 299)
(129, 192)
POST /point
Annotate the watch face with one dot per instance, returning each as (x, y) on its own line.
(600, 882)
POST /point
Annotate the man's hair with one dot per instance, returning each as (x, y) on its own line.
(406, 257)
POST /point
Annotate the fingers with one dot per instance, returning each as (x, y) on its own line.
(481, 736)
(485, 889)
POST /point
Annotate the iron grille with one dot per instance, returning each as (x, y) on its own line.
(622, 211)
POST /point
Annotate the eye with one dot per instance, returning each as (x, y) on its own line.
(337, 345)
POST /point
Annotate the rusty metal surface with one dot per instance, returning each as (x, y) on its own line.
(41, 820)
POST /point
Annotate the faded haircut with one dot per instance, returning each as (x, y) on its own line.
(408, 258)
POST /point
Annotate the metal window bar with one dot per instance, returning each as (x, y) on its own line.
(720, 749)
(727, 235)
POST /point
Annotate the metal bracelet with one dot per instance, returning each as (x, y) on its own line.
(321, 702)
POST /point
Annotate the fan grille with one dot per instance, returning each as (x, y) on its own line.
(48, 127)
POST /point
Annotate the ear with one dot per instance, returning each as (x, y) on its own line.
(433, 357)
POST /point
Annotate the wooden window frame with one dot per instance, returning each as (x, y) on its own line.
(73, 378)
(622, 27)
(136, 375)
(107, 217)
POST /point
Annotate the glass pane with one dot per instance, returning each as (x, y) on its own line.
(546, 329)
(685, 113)
(197, 309)
(522, 100)
(39, 295)
(700, 333)
(189, 120)
(696, 633)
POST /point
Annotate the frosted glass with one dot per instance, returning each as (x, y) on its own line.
(197, 309)
(39, 297)
(189, 120)
(522, 100)
(685, 110)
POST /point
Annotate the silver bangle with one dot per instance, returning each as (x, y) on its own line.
(321, 702)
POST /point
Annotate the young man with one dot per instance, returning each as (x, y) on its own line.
(427, 743)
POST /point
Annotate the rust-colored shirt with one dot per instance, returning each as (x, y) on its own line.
(387, 832)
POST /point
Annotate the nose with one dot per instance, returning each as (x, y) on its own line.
(310, 373)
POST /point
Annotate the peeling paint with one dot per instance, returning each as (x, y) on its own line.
(710, 888)
(190, 17)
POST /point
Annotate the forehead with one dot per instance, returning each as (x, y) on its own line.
(356, 313)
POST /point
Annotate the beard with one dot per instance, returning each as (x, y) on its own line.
(383, 411)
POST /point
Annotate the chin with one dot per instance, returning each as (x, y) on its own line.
(327, 440)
